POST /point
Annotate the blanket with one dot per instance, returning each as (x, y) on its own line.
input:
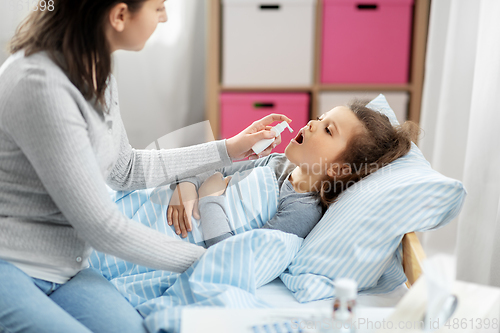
(226, 275)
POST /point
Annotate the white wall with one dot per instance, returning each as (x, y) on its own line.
(11, 14)
(162, 87)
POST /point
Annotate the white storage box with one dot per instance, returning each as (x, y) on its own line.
(267, 42)
(398, 101)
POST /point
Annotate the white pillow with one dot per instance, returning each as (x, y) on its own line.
(359, 236)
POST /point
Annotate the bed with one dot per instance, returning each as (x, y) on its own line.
(310, 316)
(368, 236)
(234, 274)
(277, 294)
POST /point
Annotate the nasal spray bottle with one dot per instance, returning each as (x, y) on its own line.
(263, 144)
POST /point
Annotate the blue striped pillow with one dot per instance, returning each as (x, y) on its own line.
(360, 235)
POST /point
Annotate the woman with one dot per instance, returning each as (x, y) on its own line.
(61, 141)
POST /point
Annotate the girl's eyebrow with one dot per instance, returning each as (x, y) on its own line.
(335, 125)
(331, 122)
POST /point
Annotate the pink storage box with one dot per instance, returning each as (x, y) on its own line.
(239, 110)
(366, 41)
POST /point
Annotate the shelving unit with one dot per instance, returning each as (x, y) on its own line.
(414, 87)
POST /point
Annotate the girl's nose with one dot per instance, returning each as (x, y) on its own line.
(310, 125)
(163, 17)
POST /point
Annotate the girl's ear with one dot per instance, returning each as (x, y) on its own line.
(335, 169)
(117, 16)
(330, 172)
(346, 169)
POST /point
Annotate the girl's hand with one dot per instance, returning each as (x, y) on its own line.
(240, 145)
(183, 204)
(215, 185)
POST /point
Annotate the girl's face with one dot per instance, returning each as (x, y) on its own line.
(132, 30)
(321, 141)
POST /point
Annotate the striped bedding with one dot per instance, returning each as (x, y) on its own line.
(226, 275)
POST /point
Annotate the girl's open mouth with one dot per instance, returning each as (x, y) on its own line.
(299, 139)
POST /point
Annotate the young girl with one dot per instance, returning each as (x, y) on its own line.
(326, 157)
(61, 141)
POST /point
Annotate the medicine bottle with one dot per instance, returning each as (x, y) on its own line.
(344, 306)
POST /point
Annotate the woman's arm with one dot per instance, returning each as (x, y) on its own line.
(45, 122)
(232, 169)
(139, 169)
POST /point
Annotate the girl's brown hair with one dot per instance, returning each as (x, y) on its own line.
(75, 29)
(378, 144)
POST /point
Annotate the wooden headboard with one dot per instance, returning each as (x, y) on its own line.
(413, 256)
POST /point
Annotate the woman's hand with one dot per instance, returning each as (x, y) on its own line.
(183, 204)
(240, 145)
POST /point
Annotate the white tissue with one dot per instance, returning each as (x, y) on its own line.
(439, 272)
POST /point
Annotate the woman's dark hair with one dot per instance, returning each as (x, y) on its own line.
(378, 144)
(76, 30)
